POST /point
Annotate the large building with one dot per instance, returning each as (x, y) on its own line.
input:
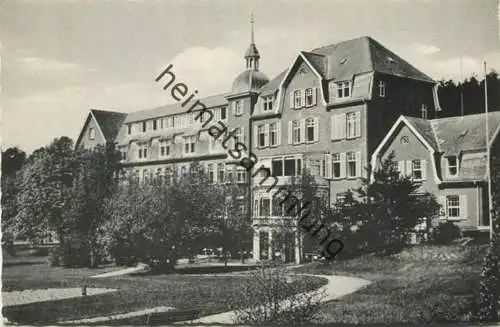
(327, 112)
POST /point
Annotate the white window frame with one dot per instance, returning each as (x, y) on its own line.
(449, 167)
(211, 173)
(261, 131)
(343, 89)
(238, 107)
(142, 151)
(297, 99)
(337, 160)
(381, 89)
(189, 144)
(296, 132)
(311, 123)
(453, 206)
(273, 134)
(91, 133)
(221, 172)
(309, 96)
(164, 145)
(241, 175)
(351, 158)
(267, 103)
(424, 112)
(416, 166)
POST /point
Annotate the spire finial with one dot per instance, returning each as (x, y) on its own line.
(252, 22)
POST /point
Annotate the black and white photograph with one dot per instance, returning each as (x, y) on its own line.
(250, 163)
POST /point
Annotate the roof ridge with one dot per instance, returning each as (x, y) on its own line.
(433, 128)
(339, 43)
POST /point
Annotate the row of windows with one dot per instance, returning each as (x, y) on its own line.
(416, 169)
(177, 121)
(217, 173)
(343, 164)
(303, 98)
(346, 125)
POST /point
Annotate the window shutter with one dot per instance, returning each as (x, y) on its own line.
(242, 128)
(314, 94)
(328, 165)
(278, 133)
(302, 98)
(442, 210)
(256, 136)
(290, 132)
(302, 131)
(341, 121)
(408, 168)
(343, 165)
(358, 124)
(292, 100)
(358, 164)
(463, 206)
(266, 133)
(233, 106)
(316, 129)
(401, 168)
(423, 165)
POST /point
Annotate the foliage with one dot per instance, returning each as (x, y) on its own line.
(382, 214)
(45, 190)
(472, 94)
(159, 221)
(273, 295)
(445, 233)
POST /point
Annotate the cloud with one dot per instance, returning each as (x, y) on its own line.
(38, 64)
(424, 49)
(208, 70)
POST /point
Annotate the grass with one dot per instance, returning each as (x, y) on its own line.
(412, 287)
(200, 295)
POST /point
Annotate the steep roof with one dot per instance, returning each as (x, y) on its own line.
(110, 122)
(343, 60)
(273, 84)
(465, 133)
(177, 108)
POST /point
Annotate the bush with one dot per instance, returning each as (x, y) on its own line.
(445, 233)
(271, 295)
(489, 287)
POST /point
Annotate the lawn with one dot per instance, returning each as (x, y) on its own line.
(420, 285)
(205, 294)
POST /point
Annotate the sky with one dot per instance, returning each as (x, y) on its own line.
(62, 58)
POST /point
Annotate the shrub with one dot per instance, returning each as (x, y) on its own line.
(489, 287)
(271, 295)
(445, 233)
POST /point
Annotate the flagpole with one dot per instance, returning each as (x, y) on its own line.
(488, 159)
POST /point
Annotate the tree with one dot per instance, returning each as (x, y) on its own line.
(381, 215)
(45, 186)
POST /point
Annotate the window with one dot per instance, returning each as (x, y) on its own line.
(452, 166)
(297, 98)
(144, 126)
(129, 127)
(155, 125)
(220, 172)
(381, 89)
(238, 135)
(339, 198)
(311, 129)
(273, 134)
(241, 175)
(416, 169)
(309, 97)
(261, 132)
(189, 142)
(336, 165)
(183, 171)
(424, 111)
(238, 108)
(338, 126)
(277, 167)
(170, 122)
(223, 113)
(296, 132)
(353, 124)
(91, 133)
(164, 148)
(453, 206)
(145, 175)
(351, 164)
(229, 174)
(343, 90)
(143, 151)
(267, 103)
(265, 207)
(123, 153)
(210, 171)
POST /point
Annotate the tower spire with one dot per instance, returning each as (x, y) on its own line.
(252, 54)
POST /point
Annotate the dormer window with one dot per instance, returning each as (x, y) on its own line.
(381, 89)
(143, 151)
(129, 127)
(423, 111)
(91, 133)
(343, 90)
(144, 126)
(164, 148)
(267, 103)
(155, 125)
(452, 166)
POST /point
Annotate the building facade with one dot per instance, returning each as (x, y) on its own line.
(327, 112)
(447, 157)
